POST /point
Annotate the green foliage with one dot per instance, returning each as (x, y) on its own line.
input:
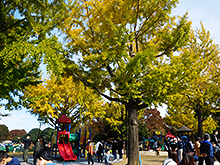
(16, 139)
(46, 134)
(126, 52)
(204, 59)
(34, 133)
(23, 29)
(4, 132)
(143, 131)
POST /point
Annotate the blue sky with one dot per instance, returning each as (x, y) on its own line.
(198, 10)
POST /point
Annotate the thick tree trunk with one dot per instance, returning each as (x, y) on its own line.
(199, 113)
(133, 149)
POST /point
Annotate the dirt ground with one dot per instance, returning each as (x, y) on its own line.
(148, 158)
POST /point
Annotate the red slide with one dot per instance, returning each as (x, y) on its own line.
(66, 151)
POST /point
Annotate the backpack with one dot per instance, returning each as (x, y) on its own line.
(31, 146)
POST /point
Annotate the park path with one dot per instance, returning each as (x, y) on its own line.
(147, 158)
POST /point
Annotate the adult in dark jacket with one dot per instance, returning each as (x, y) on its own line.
(120, 148)
(190, 146)
(180, 149)
(38, 145)
(27, 143)
(214, 138)
(174, 145)
(207, 151)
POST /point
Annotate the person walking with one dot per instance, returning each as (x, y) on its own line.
(90, 152)
(207, 151)
(38, 146)
(120, 148)
(99, 151)
(214, 138)
(188, 158)
(114, 148)
(27, 143)
(197, 150)
(180, 149)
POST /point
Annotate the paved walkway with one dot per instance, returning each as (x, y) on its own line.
(146, 158)
(80, 161)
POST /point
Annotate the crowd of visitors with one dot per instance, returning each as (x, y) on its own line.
(181, 151)
(102, 150)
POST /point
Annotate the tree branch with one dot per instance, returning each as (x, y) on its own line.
(142, 106)
(102, 94)
(3, 30)
(110, 70)
(113, 89)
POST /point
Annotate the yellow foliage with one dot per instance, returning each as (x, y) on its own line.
(54, 98)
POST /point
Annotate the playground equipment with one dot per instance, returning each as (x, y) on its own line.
(64, 146)
(69, 144)
(61, 141)
(148, 143)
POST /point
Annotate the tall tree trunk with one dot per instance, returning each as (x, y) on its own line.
(199, 113)
(126, 143)
(133, 149)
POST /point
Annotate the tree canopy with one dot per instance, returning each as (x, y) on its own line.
(132, 52)
(56, 97)
(23, 29)
(125, 51)
(46, 134)
(4, 132)
(195, 106)
(14, 133)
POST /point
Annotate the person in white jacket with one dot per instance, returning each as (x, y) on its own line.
(99, 151)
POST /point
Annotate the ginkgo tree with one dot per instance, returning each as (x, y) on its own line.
(23, 29)
(199, 101)
(125, 50)
(56, 97)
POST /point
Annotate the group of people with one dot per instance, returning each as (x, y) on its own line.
(184, 152)
(28, 145)
(102, 149)
(12, 145)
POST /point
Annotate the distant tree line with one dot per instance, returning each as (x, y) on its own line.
(45, 134)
